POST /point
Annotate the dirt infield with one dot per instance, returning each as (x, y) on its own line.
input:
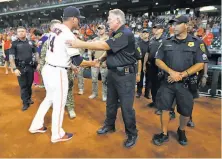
(17, 142)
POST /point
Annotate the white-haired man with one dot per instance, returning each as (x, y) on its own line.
(121, 58)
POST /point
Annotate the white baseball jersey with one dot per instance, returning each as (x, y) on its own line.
(59, 53)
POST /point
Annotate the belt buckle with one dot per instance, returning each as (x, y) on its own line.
(126, 69)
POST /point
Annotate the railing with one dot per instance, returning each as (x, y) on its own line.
(77, 2)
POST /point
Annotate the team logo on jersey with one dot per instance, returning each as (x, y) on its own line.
(202, 47)
(191, 44)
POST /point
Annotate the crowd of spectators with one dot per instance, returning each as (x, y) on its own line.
(10, 7)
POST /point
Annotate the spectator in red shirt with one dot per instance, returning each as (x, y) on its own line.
(208, 37)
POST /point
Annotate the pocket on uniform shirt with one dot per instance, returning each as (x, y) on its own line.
(189, 54)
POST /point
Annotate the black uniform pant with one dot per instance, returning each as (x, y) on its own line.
(147, 83)
(169, 92)
(122, 88)
(25, 82)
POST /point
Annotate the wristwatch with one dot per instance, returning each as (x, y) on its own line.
(206, 76)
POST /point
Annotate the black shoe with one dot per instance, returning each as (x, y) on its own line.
(105, 129)
(151, 104)
(159, 139)
(130, 141)
(158, 112)
(182, 137)
(30, 101)
(190, 124)
(25, 107)
(172, 115)
(138, 95)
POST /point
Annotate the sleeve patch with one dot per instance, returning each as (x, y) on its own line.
(118, 35)
(202, 48)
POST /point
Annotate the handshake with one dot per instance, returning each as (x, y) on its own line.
(96, 63)
(176, 76)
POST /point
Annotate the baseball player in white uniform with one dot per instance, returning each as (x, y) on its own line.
(59, 58)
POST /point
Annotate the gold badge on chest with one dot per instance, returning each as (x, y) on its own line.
(191, 44)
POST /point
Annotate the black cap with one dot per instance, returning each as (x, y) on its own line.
(145, 31)
(180, 19)
(158, 26)
(72, 12)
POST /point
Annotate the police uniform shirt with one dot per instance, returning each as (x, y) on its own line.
(122, 44)
(23, 50)
(153, 48)
(144, 45)
(180, 55)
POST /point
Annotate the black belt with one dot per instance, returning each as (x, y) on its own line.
(124, 69)
(58, 66)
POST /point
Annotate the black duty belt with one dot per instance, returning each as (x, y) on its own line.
(58, 66)
(124, 70)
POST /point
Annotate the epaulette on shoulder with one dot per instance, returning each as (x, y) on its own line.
(196, 38)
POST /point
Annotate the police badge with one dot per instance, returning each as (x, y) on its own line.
(191, 44)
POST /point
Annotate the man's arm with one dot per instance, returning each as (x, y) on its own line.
(139, 67)
(95, 45)
(116, 43)
(192, 70)
(146, 57)
(3, 49)
(12, 61)
(205, 69)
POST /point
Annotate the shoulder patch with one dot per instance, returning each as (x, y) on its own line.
(118, 35)
(202, 48)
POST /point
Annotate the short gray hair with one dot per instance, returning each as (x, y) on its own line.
(119, 14)
(53, 22)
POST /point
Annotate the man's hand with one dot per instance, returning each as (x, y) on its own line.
(17, 72)
(38, 67)
(175, 76)
(203, 82)
(137, 77)
(97, 63)
(144, 69)
(4, 56)
(76, 70)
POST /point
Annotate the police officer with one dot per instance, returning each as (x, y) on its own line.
(144, 44)
(121, 79)
(21, 58)
(202, 78)
(103, 68)
(181, 57)
(153, 69)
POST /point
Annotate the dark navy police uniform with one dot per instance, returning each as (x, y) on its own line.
(153, 69)
(144, 48)
(179, 55)
(121, 79)
(24, 53)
